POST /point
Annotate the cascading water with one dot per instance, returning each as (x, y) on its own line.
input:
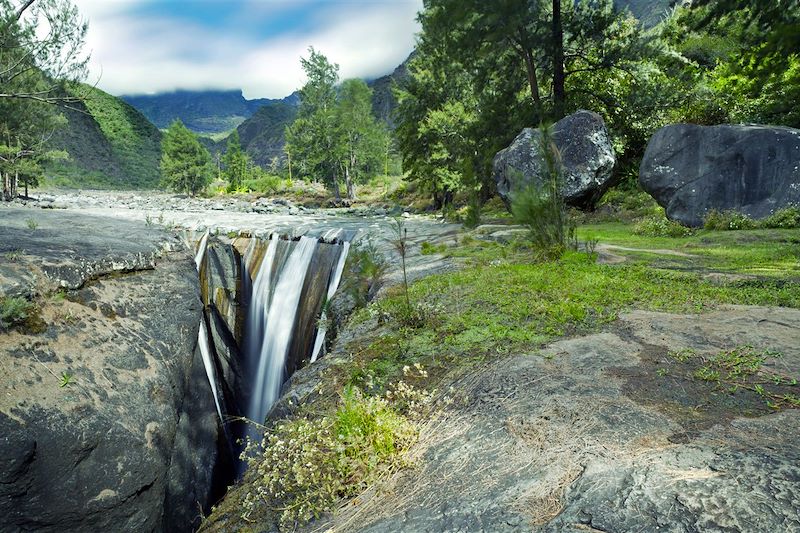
(202, 335)
(270, 322)
(332, 286)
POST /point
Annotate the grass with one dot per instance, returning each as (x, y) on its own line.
(773, 252)
(507, 303)
(744, 368)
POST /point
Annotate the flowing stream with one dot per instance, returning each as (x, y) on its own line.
(270, 322)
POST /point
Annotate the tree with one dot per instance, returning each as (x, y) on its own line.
(311, 138)
(235, 161)
(185, 163)
(35, 67)
(362, 138)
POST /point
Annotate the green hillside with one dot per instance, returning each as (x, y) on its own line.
(111, 145)
(263, 135)
(650, 12)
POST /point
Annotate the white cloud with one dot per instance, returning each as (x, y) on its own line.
(144, 54)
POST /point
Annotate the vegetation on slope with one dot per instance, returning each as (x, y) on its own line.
(111, 145)
(200, 111)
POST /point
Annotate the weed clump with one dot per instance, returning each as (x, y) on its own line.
(728, 220)
(308, 465)
(541, 207)
(660, 226)
(14, 312)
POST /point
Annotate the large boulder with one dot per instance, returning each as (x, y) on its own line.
(586, 153)
(692, 169)
(107, 421)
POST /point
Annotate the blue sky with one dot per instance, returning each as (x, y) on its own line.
(146, 46)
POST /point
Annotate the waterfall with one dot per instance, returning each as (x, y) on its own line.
(202, 335)
(332, 286)
(270, 322)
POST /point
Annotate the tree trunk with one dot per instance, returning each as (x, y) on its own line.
(351, 190)
(559, 93)
(533, 81)
(6, 187)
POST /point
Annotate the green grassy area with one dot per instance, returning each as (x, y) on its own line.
(773, 252)
(509, 302)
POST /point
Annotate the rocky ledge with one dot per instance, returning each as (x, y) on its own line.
(106, 418)
(608, 432)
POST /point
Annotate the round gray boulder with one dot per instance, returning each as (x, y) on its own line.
(587, 158)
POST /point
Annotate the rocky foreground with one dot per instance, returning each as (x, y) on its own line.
(105, 422)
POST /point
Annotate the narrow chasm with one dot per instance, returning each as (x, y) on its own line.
(265, 303)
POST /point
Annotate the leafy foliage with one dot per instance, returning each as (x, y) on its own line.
(335, 137)
(185, 164)
(307, 465)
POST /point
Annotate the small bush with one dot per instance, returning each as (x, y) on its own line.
(541, 207)
(14, 311)
(728, 220)
(660, 226)
(427, 248)
(265, 184)
(787, 218)
(308, 465)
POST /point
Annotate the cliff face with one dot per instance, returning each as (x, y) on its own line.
(105, 415)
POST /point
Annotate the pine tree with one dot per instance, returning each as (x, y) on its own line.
(185, 163)
(235, 161)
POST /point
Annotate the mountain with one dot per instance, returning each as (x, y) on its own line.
(650, 12)
(201, 111)
(111, 145)
(263, 135)
(383, 99)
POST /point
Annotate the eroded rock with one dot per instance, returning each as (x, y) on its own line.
(692, 169)
(586, 154)
(106, 419)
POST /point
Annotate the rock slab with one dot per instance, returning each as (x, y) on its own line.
(587, 158)
(107, 422)
(692, 169)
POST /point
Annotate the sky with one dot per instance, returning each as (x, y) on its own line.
(150, 46)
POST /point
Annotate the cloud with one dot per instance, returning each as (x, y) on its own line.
(137, 49)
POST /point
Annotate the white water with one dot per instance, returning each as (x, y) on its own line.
(202, 335)
(270, 322)
(332, 286)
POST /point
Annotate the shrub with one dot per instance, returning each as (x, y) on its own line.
(787, 218)
(14, 311)
(728, 220)
(541, 207)
(265, 184)
(660, 226)
(308, 465)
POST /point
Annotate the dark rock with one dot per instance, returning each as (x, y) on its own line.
(586, 153)
(692, 169)
(129, 443)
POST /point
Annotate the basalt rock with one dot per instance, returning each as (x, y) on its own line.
(692, 169)
(587, 159)
(107, 422)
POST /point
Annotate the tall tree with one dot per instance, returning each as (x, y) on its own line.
(185, 163)
(312, 138)
(35, 65)
(235, 161)
(362, 137)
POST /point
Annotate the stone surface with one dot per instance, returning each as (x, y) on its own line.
(586, 153)
(126, 442)
(691, 170)
(588, 436)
